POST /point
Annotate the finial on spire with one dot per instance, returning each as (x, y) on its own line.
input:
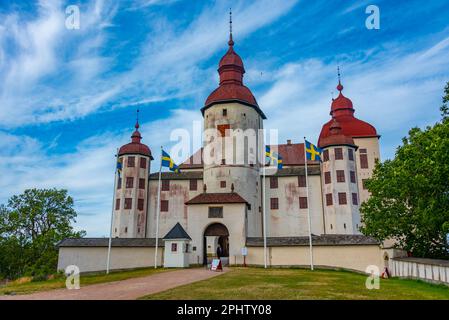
(137, 119)
(230, 42)
(339, 86)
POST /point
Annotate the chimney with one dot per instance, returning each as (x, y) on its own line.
(289, 142)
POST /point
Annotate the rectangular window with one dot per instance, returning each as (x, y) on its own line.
(143, 163)
(326, 155)
(302, 181)
(164, 205)
(327, 177)
(222, 184)
(117, 204)
(274, 203)
(193, 184)
(215, 212)
(351, 154)
(142, 183)
(342, 198)
(225, 112)
(302, 202)
(165, 185)
(352, 175)
(223, 129)
(354, 199)
(128, 203)
(174, 247)
(131, 161)
(273, 182)
(329, 199)
(340, 176)
(119, 183)
(362, 150)
(338, 154)
(364, 184)
(129, 182)
(364, 161)
(140, 204)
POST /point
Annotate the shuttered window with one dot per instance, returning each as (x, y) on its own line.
(164, 205)
(274, 203)
(302, 181)
(329, 201)
(340, 176)
(302, 202)
(342, 198)
(327, 177)
(273, 182)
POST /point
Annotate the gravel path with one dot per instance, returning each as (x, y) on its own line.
(129, 289)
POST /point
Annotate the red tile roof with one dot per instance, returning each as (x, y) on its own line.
(217, 198)
(343, 111)
(231, 88)
(292, 154)
(135, 146)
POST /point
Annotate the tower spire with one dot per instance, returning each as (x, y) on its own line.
(339, 86)
(137, 119)
(230, 42)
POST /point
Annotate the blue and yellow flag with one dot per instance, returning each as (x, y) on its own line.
(119, 166)
(313, 152)
(273, 158)
(168, 162)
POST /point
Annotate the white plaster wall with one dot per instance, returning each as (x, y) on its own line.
(353, 257)
(233, 219)
(244, 176)
(372, 147)
(89, 259)
(178, 259)
(177, 196)
(131, 223)
(337, 216)
(289, 219)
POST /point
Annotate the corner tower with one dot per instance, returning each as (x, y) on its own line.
(364, 135)
(232, 119)
(340, 188)
(131, 194)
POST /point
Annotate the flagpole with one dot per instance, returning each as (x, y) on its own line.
(112, 216)
(158, 213)
(264, 218)
(308, 207)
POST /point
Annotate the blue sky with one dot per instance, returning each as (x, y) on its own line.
(68, 97)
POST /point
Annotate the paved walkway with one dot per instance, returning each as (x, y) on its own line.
(129, 289)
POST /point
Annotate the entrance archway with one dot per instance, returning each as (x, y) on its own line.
(215, 235)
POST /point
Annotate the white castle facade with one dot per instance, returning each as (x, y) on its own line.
(212, 204)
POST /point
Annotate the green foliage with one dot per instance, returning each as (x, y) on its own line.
(410, 194)
(30, 227)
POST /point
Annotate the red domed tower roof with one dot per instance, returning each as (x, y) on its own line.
(335, 137)
(231, 88)
(342, 111)
(135, 146)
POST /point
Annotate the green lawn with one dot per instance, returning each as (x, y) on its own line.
(88, 279)
(258, 283)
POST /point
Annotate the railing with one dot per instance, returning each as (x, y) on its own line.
(419, 268)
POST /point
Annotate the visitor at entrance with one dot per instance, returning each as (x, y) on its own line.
(219, 251)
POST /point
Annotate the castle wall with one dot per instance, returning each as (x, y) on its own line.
(177, 196)
(372, 147)
(289, 219)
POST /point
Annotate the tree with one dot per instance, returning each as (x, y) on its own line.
(409, 200)
(30, 227)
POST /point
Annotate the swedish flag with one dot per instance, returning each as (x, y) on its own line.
(168, 162)
(119, 166)
(313, 152)
(273, 157)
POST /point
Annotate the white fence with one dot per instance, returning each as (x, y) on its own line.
(418, 268)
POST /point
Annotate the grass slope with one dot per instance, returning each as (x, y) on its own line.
(258, 283)
(85, 280)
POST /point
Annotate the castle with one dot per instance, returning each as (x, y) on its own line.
(220, 203)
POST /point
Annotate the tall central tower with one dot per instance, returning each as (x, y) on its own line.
(232, 119)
